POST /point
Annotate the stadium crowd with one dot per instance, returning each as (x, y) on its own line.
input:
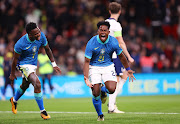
(151, 30)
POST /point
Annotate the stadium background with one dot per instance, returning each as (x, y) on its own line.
(150, 30)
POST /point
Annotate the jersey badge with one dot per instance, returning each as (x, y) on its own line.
(102, 51)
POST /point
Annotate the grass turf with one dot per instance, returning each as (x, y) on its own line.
(139, 110)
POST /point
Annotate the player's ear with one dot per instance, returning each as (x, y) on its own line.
(98, 31)
(119, 12)
(30, 35)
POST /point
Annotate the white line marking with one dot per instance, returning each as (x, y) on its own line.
(153, 113)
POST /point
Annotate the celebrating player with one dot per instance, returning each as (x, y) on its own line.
(98, 65)
(116, 31)
(25, 58)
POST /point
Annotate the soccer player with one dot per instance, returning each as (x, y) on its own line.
(116, 31)
(98, 65)
(25, 59)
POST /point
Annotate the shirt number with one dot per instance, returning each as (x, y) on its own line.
(101, 58)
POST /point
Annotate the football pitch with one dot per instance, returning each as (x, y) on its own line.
(139, 110)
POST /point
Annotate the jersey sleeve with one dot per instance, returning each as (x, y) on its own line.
(117, 47)
(17, 47)
(88, 51)
(44, 39)
(118, 30)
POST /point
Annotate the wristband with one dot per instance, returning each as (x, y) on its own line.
(127, 69)
(53, 64)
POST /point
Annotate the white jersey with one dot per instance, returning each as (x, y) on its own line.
(115, 30)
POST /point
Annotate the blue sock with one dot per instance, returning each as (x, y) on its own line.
(18, 94)
(104, 89)
(39, 100)
(97, 104)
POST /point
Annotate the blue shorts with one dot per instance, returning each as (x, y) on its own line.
(118, 66)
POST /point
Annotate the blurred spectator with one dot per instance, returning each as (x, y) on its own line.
(2, 46)
(7, 70)
(33, 14)
(146, 61)
(1, 75)
(45, 70)
(157, 15)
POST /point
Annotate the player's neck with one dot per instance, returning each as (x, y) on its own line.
(114, 16)
(31, 39)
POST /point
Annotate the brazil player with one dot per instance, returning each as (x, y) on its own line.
(25, 59)
(98, 65)
(116, 31)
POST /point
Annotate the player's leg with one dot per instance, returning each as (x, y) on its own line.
(12, 86)
(112, 108)
(2, 86)
(33, 78)
(108, 75)
(20, 91)
(4, 91)
(97, 101)
(43, 86)
(50, 85)
(95, 78)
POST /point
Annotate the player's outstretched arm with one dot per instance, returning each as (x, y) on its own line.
(51, 57)
(13, 66)
(86, 71)
(126, 65)
(124, 48)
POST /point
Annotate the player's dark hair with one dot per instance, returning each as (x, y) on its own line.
(30, 26)
(103, 23)
(114, 7)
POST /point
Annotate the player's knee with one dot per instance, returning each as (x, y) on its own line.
(37, 86)
(96, 94)
(111, 89)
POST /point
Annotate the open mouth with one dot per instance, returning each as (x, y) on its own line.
(103, 37)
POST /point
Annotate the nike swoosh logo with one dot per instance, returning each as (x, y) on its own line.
(28, 47)
(96, 48)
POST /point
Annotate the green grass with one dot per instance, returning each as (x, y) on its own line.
(152, 106)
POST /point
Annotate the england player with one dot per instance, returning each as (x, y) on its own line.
(98, 65)
(25, 59)
(116, 31)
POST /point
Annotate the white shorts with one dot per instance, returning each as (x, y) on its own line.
(27, 69)
(98, 74)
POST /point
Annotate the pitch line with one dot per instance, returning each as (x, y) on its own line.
(143, 113)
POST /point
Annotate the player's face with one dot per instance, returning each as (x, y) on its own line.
(35, 34)
(103, 32)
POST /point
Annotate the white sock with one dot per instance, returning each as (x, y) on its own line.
(42, 110)
(112, 97)
(14, 100)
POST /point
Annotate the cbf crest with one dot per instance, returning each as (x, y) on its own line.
(102, 51)
(34, 49)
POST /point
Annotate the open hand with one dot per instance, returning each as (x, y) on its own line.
(131, 60)
(130, 75)
(88, 83)
(57, 69)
